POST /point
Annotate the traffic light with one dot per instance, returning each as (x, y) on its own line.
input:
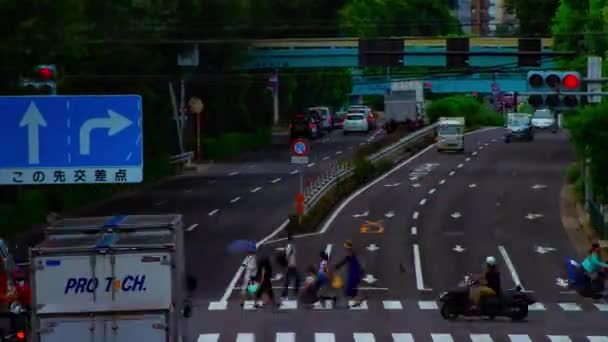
(557, 83)
(42, 79)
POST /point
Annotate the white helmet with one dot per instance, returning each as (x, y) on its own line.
(491, 260)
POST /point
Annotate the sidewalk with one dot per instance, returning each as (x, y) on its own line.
(577, 224)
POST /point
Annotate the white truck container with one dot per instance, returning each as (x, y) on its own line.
(114, 279)
(451, 134)
(404, 101)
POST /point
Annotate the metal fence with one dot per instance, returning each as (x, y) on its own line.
(597, 219)
(341, 170)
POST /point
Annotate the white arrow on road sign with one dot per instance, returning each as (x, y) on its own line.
(370, 279)
(459, 249)
(390, 214)
(115, 124)
(561, 282)
(392, 185)
(372, 247)
(543, 250)
(33, 119)
(362, 214)
(532, 216)
(456, 215)
(538, 186)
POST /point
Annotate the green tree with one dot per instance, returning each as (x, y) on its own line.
(533, 16)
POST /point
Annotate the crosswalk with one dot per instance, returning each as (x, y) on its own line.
(396, 337)
(397, 305)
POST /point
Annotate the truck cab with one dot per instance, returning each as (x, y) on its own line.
(450, 134)
(519, 126)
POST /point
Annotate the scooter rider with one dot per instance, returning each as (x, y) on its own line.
(593, 267)
(489, 284)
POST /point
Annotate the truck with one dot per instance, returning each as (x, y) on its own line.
(404, 103)
(450, 134)
(118, 279)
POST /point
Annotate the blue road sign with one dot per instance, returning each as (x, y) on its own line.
(71, 139)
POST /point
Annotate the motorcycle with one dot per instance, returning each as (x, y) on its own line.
(579, 282)
(512, 303)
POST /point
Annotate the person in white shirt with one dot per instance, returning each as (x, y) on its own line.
(292, 272)
(251, 271)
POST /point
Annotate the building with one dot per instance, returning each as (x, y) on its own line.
(480, 17)
(461, 9)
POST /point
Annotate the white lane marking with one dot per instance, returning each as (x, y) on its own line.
(245, 337)
(310, 165)
(362, 306)
(415, 215)
(460, 165)
(474, 153)
(427, 305)
(481, 338)
(326, 158)
(510, 266)
(325, 337)
(403, 338)
(276, 180)
(559, 338)
(601, 307)
(328, 249)
(294, 172)
(233, 173)
(452, 173)
(442, 181)
(442, 338)
(597, 338)
(212, 181)
(418, 269)
(286, 337)
(335, 213)
(257, 189)
(236, 199)
(432, 191)
(570, 306)
(289, 305)
(392, 305)
(191, 228)
(364, 337)
(188, 190)
(414, 230)
(217, 306)
(537, 307)
(423, 201)
(208, 338)
(338, 152)
(213, 212)
(468, 159)
(161, 203)
(520, 338)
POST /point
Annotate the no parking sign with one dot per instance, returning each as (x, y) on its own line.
(299, 150)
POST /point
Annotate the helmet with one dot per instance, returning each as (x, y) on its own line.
(491, 260)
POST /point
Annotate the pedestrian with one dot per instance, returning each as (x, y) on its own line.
(251, 271)
(292, 271)
(311, 287)
(325, 290)
(265, 280)
(354, 273)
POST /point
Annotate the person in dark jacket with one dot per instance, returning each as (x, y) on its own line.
(489, 284)
(265, 277)
(354, 271)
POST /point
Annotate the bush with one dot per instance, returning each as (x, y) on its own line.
(232, 144)
(475, 113)
(573, 173)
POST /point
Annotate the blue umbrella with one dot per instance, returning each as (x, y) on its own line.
(241, 246)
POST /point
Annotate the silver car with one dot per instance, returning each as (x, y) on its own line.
(326, 120)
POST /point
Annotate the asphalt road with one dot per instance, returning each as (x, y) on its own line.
(241, 199)
(440, 216)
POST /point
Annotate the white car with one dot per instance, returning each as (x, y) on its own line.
(543, 119)
(355, 122)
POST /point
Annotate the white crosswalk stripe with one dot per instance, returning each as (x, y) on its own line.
(399, 337)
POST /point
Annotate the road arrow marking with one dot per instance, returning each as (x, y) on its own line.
(532, 216)
(362, 214)
(543, 250)
(392, 185)
(33, 119)
(370, 279)
(459, 249)
(561, 282)
(473, 185)
(538, 186)
(456, 215)
(115, 124)
(390, 214)
(372, 247)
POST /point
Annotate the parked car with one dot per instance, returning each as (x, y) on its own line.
(303, 125)
(355, 122)
(326, 118)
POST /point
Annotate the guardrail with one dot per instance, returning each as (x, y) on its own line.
(182, 158)
(330, 178)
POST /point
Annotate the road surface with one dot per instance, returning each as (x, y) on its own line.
(418, 231)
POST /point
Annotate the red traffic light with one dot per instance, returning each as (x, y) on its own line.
(45, 73)
(571, 81)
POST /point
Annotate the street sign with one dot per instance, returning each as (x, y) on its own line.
(71, 139)
(299, 160)
(300, 147)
